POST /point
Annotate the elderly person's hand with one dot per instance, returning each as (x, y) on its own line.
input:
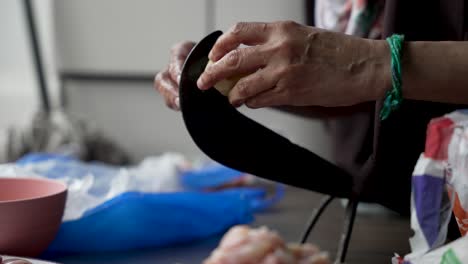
(166, 82)
(285, 63)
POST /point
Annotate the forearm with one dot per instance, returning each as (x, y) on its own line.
(433, 71)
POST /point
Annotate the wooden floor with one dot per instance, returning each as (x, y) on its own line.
(375, 238)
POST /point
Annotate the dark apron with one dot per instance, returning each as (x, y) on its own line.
(382, 154)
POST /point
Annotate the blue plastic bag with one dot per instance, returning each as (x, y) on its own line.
(136, 220)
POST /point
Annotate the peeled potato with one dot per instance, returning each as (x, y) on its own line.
(225, 86)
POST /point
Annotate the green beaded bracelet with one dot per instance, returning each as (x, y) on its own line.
(394, 96)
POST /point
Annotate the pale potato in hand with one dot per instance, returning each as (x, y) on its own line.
(225, 86)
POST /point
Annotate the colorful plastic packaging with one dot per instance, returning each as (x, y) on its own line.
(440, 187)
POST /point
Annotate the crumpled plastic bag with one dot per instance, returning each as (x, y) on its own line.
(90, 184)
(117, 208)
(440, 186)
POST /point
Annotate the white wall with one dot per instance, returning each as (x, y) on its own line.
(132, 114)
(124, 35)
(18, 98)
(227, 13)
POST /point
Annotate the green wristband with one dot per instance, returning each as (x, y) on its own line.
(394, 96)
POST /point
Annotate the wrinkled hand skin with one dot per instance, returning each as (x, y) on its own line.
(286, 63)
(166, 82)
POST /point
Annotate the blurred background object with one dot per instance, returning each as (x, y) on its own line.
(100, 59)
(51, 130)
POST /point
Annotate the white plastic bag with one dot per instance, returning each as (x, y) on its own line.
(92, 184)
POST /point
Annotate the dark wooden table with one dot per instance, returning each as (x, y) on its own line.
(377, 235)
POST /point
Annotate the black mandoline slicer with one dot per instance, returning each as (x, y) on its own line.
(236, 141)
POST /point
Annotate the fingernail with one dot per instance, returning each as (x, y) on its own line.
(177, 102)
(210, 56)
(237, 104)
(178, 79)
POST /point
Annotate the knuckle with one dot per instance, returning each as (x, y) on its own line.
(278, 89)
(176, 47)
(157, 80)
(287, 25)
(275, 48)
(243, 89)
(168, 99)
(264, 27)
(281, 71)
(233, 58)
(239, 27)
(170, 67)
(252, 104)
(286, 46)
(208, 75)
(265, 57)
(173, 71)
(260, 77)
(283, 91)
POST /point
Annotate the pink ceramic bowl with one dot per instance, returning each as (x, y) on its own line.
(31, 212)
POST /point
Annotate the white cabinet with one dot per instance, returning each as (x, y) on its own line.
(123, 35)
(228, 13)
